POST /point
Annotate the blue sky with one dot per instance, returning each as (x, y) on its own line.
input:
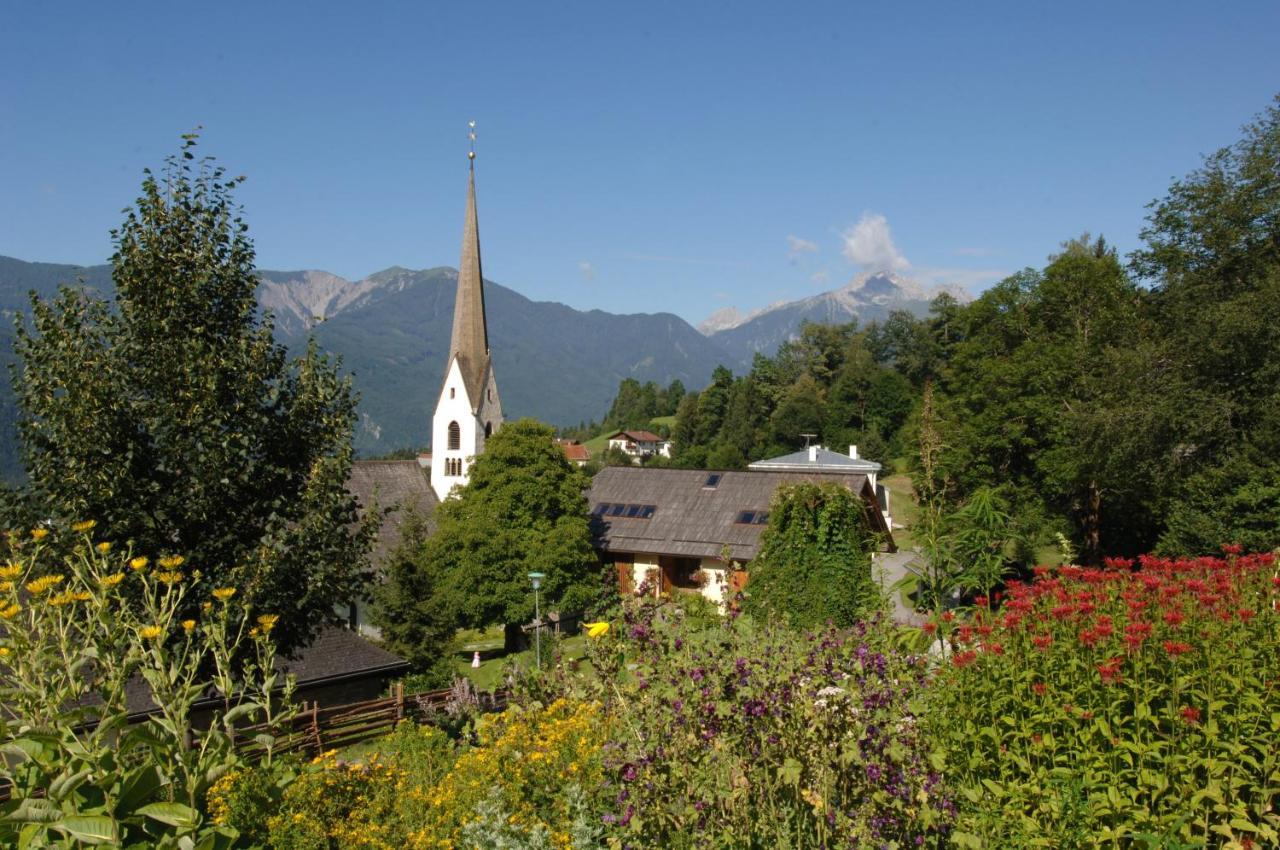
(632, 157)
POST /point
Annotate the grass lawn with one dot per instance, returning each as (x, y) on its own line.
(493, 661)
(903, 508)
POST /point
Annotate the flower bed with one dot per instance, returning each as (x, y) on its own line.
(1136, 705)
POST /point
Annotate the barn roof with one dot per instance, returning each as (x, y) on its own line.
(696, 512)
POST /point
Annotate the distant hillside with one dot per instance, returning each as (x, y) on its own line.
(392, 331)
(867, 298)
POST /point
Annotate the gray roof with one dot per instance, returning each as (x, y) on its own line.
(826, 461)
(693, 520)
(470, 340)
(335, 655)
(395, 484)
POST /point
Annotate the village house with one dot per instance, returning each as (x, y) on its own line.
(820, 459)
(578, 454)
(696, 531)
(640, 445)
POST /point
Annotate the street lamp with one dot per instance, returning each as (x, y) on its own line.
(537, 578)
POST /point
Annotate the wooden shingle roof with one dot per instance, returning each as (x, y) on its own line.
(692, 517)
(395, 484)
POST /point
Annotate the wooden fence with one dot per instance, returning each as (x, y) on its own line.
(314, 730)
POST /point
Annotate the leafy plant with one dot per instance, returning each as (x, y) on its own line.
(72, 649)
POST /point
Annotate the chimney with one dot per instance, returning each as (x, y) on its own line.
(813, 454)
(853, 452)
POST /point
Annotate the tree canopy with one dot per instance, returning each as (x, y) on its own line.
(174, 420)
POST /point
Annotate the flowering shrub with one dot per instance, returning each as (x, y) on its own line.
(742, 735)
(69, 644)
(523, 784)
(1136, 706)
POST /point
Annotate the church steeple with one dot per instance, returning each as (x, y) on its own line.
(469, 410)
(470, 343)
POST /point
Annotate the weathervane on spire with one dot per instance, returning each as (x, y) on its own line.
(471, 134)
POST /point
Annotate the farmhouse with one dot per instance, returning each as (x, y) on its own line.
(639, 444)
(696, 531)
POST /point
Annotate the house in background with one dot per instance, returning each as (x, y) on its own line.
(640, 444)
(820, 459)
(696, 531)
(577, 453)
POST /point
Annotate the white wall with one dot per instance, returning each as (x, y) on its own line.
(456, 406)
(715, 590)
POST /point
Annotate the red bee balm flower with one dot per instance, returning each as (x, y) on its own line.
(1190, 714)
(930, 628)
(1042, 642)
(1040, 688)
(964, 659)
(1174, 647)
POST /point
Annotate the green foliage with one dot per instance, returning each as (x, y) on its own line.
(409, 606)
(79, 771)
(746, 735)
(814, 564)
(1116, 708)
(523, 511)
(174, 418)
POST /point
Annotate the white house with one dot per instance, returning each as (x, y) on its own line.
(640, 444)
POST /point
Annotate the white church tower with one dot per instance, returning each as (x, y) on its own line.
(469, 410)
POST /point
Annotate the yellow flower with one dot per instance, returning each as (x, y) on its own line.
(84, 525)
(595, 630)
(222, 594)
(6, 586)
(150, 632)
(38, 534)
(172, 562)
(111, 580)
(139, 563)
(104, 547)
(7, 612)
(82, 596)
(169, 576)
(64, 598)
(4, 652)
(206, 607)
(40, 585)
(253, 632)
(11, 570)
(268, 621)
(188, 626)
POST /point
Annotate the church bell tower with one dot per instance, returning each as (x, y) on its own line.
(469, 410)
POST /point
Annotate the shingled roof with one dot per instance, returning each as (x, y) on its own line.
(470, 340)
(395, 484)
(695, 511)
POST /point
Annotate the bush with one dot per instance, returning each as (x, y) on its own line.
(742, 735)
(1132, 707)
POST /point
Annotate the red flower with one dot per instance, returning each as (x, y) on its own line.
(1232, 548)
(994, 648)
(1176, 647)
(1109, 670)
(964, 659)
(930, 628)
(947, 616)
(985, 630)
(980, 601)
(1040, 688)
(1174, 617)
(1042, 641)
(964, 634)
(1245, 615)
(1191, 715)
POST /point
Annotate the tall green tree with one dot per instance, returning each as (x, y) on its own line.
(815, 558)
(174, 420)
(522, 511)
(410, 606)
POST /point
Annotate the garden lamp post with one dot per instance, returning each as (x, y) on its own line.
(537, 578)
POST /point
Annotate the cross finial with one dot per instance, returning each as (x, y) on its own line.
(471, 135)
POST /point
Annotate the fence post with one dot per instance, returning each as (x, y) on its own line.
(315, 727)
(399, 701)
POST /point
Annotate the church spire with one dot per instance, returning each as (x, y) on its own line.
(470, 343)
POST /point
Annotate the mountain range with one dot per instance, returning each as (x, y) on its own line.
(553, 362)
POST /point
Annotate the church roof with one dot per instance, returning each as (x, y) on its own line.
(470, 342)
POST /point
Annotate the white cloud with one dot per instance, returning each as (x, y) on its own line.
(821, 277)
(588, 270)
(797, 246)
(869, 245)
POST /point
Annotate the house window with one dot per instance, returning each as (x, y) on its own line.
(488, 430)
(713, 481)
(452, 392)
(752, 518)
(455, 436)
